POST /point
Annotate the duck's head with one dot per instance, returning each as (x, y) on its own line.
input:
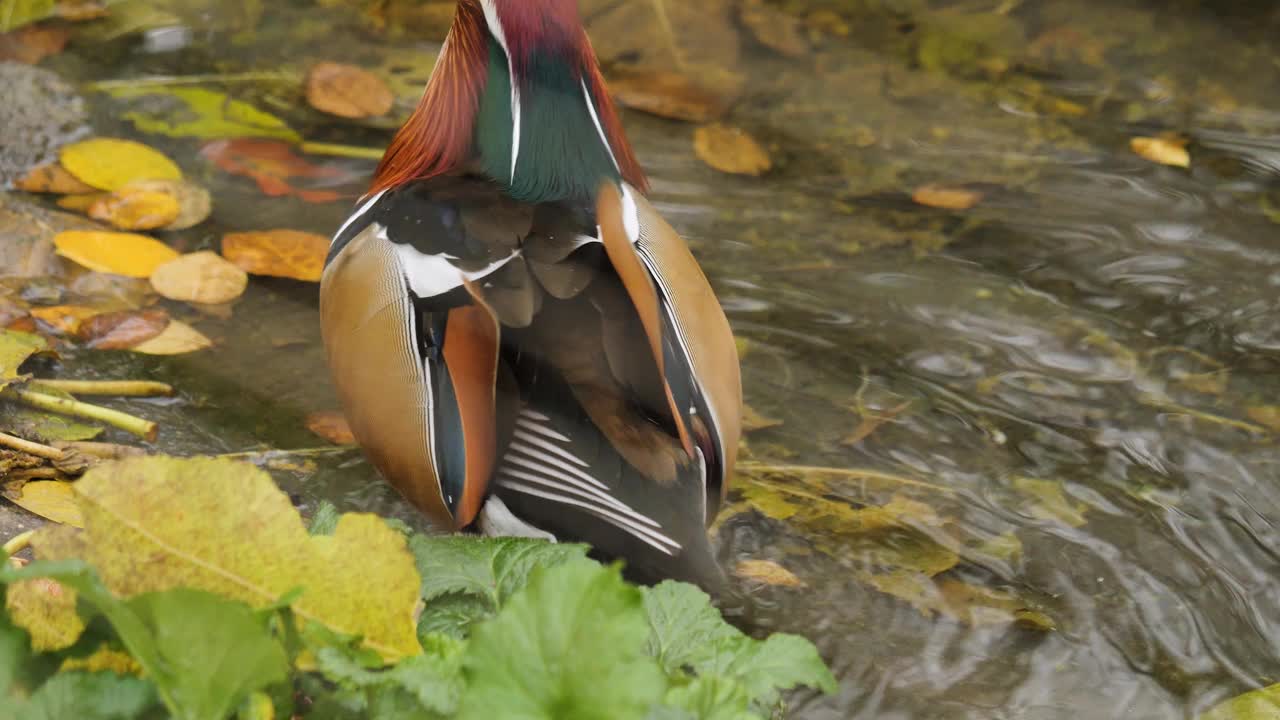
(517, 95)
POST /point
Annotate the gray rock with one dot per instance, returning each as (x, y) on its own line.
(39, 113)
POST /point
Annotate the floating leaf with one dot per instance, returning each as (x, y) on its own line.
(202, 277)
(946, 198)
(133, 208)
(591, 623)
(1165, 150)
(80, 203)
(64, 319)
(199, 113)
(178, 338)
(125, 254)
(53, 178)
(110, 164)
(122, 330)
(15, 349)
(668, 94)
(769, 573)
(348, 91)
(774, 28)
(50, 499)
(1260, 704)
(154, 524)
(732, 150)
(273, 164)
(278, 253)
(332, 426)
(1050, 502)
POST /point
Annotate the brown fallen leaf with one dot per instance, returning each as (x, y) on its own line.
(774, 28)
(348, 91)
(33, 43)
(53, 178)
(872, 422)
(202, 277)
(177, 339)
(946, 198)
(752, 420)
(195, 204)
(122, 330)
(1165, 150)
(667, 94)
(64, 319)
(332, 426)
(769, 573)
(731, 150)
(278, 253)
(132, 208)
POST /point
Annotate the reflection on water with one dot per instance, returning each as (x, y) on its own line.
(1080, 371)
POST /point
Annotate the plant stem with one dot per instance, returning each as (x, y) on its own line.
(850, 473)
(108, 388)
(138, 426)
(174, 80)
(349, 151)
(18, 543)
(30, 448)
(300, 452)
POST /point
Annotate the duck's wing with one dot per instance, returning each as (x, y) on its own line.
(413, 355)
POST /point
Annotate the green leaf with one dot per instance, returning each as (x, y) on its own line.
(489, 568)
(712, 698)
(199, 113)
(452, 615)
(212, 652)
(204, 653)
(16, 13)
(15, 648)
(1260, 704)
(432, 681)
(570, 646)
(689, 635)
(89, 696)
(47, 427)
(325, 519)
(16, 347)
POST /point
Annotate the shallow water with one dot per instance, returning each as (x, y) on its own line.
(1074, 372)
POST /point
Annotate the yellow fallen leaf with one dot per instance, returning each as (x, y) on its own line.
(154, 524)
(946, 198)
(202, 277)
(125, 254)
(1268, 415)
(1050, 501)
(47, 611)
(53, 178)
(136, 209)
(732, 150)
(1164, 150)
(178, 338)
(81, 203)
(50, 499)
(278, 253)
(752, 420)
(65, 319)
(195, 204)
(110, 164)
(1260, 704)
(769, 573)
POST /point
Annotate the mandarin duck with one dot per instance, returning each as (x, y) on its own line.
(520, 342)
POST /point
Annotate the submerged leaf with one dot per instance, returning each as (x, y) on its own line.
(199, 113)
(273, 165)
(278, 253)
(348, 91)
(769, 573)
(122, 330)
(332, 426)
(110, 164)
(731, 150)
(569, 646)
(1260, 704)
(178, 338)
(15, 349)
(1163, 150)
(125, 254)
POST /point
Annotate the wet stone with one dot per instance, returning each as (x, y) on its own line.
(40, 113)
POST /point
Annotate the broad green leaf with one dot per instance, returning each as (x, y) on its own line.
(15, 348)
(212, 651)
(712, 698)
(204, 653)
(570, 646)
(452, 615)
(199, 113)
(688, 633)
(154, 524)
(1260, 704)
(490, 568)
(432, 681)
(16, 13)
(325, 519)
(88, 696)
(14, 649)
